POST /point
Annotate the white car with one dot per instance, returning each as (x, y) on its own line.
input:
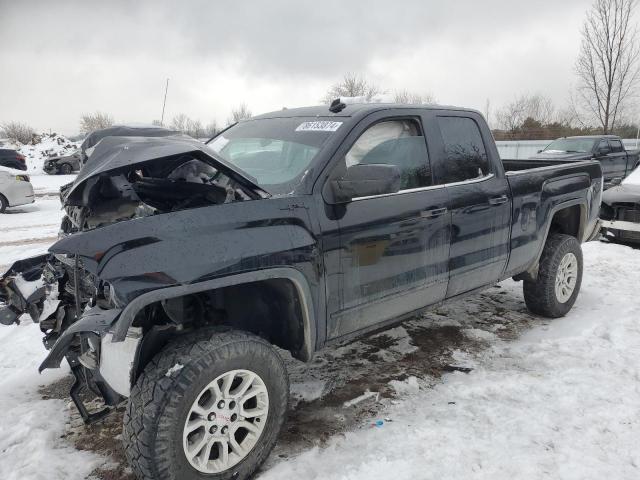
(15, 189)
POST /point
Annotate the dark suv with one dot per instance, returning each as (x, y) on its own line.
(12, 159)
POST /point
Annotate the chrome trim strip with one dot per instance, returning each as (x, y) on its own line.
(431, 187)
(466, 182)
(549, 167)
(401, 192)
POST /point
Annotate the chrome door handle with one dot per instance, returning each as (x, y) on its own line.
(433, 213)
(498, 200)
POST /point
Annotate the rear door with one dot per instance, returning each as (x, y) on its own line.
(391, 251)
(618, 158)
(479, 201)
(610, 162)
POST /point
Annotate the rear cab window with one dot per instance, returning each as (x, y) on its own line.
(616, 146)
(465, 156)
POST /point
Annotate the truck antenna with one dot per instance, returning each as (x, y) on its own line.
(164, 102)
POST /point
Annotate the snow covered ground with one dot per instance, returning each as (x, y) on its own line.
(562, 401)
(544, 399)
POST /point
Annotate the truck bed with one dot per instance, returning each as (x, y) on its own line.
(538, 186)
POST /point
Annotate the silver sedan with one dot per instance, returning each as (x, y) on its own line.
(15, 189)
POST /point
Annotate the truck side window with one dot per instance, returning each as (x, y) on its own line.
(616, 146)
(603, 147)
(394, 142)
(465, 157)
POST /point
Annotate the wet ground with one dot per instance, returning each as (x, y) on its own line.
(347, 387)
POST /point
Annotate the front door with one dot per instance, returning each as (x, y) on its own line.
(393, 249)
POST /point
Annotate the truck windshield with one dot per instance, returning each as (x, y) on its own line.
(571, 145)
(275, 151)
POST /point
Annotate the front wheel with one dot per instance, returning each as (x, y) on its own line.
(559, 278)
(210, 405)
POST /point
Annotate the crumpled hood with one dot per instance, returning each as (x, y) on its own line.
(562, 156)
(121, 153)
(622, 194)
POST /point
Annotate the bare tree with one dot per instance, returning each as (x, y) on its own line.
(194, 128)
(241, 112)
(180, 122)
(607, 66)
(535, 107)
(405, 96)
(351, 85)
(18, 132)
(211, 129)
(95, 121)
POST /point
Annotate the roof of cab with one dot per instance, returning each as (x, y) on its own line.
(615, 137)
(351, 110)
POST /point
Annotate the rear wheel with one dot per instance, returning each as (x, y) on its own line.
(210, 405)
(3, 204)
(66, 169)
(559, 278)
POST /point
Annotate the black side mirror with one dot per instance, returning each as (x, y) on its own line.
(365, 180)
(602, 151)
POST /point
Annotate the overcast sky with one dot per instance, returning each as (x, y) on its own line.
(59, 59)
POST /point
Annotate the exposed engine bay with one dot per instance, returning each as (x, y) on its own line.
(180, 183)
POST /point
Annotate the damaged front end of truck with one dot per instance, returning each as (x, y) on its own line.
(73, 291)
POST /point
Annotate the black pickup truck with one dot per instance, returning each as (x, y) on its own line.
(609, 150)
(180, 265)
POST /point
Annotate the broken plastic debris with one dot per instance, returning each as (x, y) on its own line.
(380, 423)
(456, 368)
(367, 394)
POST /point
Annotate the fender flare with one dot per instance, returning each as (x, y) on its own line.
(532, 271)
(125, 320)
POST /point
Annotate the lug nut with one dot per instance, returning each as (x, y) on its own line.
(221, 404)
(234, 417)
(214, 429)
(212, 416)
(224, 430)
(232, 404)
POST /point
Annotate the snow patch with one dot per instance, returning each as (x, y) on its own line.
(308, 391)
(409, 386)
(175, 369)
(26, 287)
(479, 334)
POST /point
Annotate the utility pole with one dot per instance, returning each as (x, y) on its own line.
(166, 88)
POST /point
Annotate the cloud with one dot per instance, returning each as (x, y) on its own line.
(70, 57)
